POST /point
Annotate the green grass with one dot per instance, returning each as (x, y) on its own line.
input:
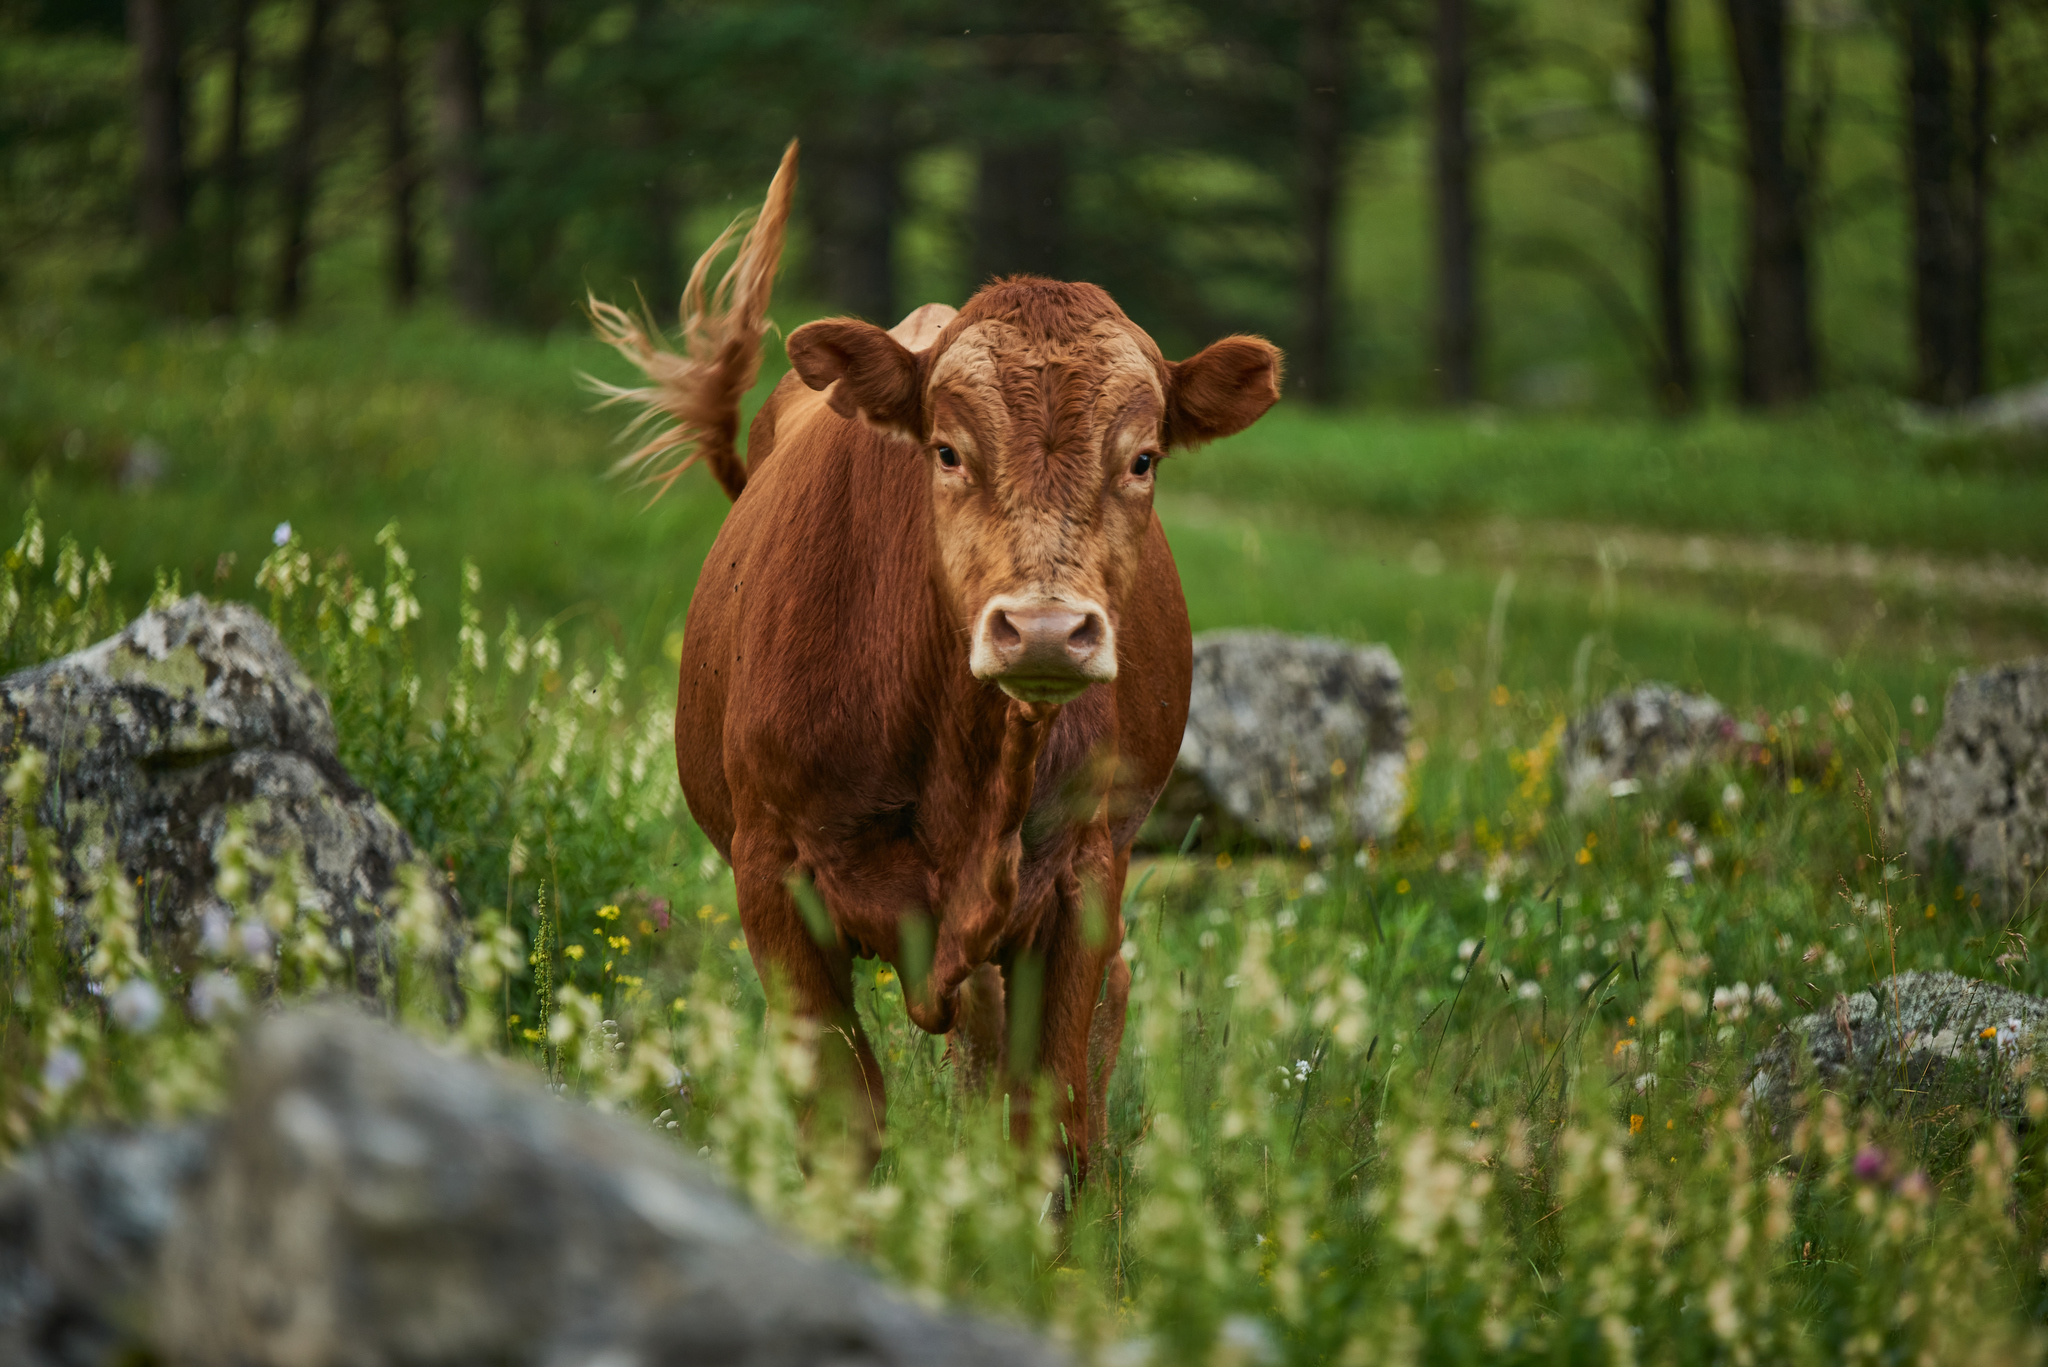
(484, 446)
(1466, 1097)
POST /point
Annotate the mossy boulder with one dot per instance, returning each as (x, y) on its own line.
(1289, 739)
(1979, 795)
(1917, 1042)
(194, 717)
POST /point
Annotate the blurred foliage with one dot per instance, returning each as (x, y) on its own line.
(1167, 136)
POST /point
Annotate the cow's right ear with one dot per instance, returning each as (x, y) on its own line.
(865, 372)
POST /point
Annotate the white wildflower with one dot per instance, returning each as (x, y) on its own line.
(137, 1005)
(62, 1068)
(216, 996)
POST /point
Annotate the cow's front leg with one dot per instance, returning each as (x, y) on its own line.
(982, 889)
(1079, 947)
(812, 979)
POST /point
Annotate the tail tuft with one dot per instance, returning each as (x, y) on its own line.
(692, 398)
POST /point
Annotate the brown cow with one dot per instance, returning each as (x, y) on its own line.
(937, 663)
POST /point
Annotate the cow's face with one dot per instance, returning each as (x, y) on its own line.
(1043, 414)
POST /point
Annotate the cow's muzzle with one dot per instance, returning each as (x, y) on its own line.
(1043, 650)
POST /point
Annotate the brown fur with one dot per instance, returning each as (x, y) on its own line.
(699, 391)
(827, 722)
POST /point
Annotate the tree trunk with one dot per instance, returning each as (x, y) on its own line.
(299, 164)
(459, 115)
(1974, 363)
(233, 169)
(536, 46)
(1020, 199)
(858, 198)
(1678, 378)
(1020, 202)
(1325, 67)
(401, 164)
(1939, 236)
(161, 189)
(1779, 360)
(1457, 303)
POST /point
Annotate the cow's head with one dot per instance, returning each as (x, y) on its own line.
(1043, 414)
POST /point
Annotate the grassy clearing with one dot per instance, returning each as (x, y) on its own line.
(1389, 527)
(1464, 1096)
(1470, 1096)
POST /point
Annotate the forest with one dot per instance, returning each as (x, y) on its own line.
(1631, 205)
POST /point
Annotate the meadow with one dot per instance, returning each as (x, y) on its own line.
(1470, 1094)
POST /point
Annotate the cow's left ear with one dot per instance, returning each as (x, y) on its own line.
(866, 373)
(1221, 389)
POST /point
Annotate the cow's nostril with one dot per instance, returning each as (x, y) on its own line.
(1086, 637)
(1003, 632)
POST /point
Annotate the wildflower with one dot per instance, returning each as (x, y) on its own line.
(1302, 1068)
(136, 1005)
(1528, 991)
(1585, 856)
(1315, 885)
(1731, 797)
(1336, 768)
(1402, 887)
(282, 535)
(608, 913)
(217, 995)
(1635, 1124)
(1223, 860)
(1870, 1164)
(252, 938)
(573, 951)
(657, 911)
(1919, 706)
(62, 1069)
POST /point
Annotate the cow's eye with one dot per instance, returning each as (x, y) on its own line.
(1143, 463)
(949, 458)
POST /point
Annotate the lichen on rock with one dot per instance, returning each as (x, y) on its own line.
(1915, 1042)
(191, 723)
(1289, 739)
(1980, 792)
(1644, 736)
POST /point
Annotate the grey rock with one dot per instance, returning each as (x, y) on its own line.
(1916, 1040)
(1289, 738)
(1646, 736)
(1980, 792)
(156, 736)
(368, 1199)
(2019, 410)
(81, 1223)
(404, 1205)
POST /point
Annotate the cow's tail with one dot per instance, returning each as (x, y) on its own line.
(691, 400)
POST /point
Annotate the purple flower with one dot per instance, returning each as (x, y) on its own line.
(1871, 1164)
